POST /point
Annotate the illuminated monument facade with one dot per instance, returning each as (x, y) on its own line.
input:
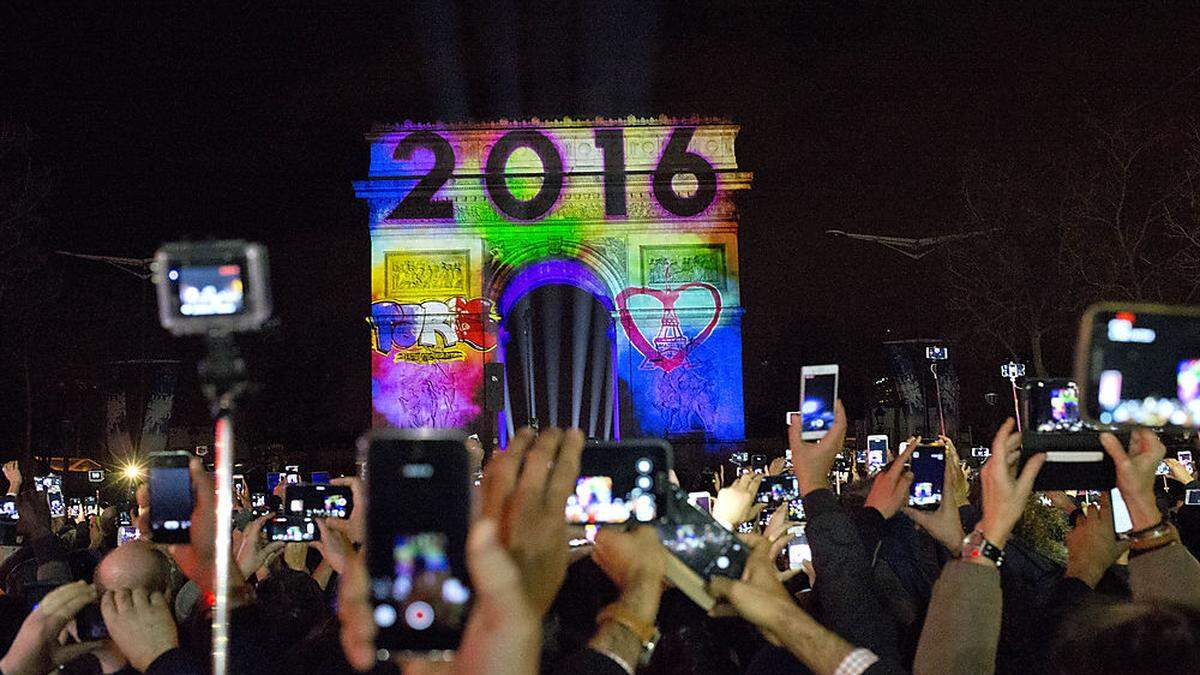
(468, 218)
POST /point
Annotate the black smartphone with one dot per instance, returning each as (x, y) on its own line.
(90, 507)
(1053, 405)
(318, 501)
(928, 463)
(89, 624)
(74, 508)
(619, 482)
(170, 497)
(417, 518)
(699, 541)
(292, 528)
(782, 489)
(1139, 365)
(319, 477)
(126, 533)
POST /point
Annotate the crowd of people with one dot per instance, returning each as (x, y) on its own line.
(993, 579)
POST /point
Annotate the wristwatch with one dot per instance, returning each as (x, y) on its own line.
(647, 634)
(974, 545)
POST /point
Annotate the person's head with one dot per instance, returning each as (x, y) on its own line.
(293, 601)
(1130, 638)
(136, 564)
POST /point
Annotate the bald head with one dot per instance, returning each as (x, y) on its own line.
(135, 564)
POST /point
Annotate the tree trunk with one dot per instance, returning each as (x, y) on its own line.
(1035, 343)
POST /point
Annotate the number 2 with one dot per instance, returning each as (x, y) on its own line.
(419, 202)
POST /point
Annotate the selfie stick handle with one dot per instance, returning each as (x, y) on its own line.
(1016, 403)
(223, 377)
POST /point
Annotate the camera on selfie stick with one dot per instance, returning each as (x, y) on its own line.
(1012, 371)
(216, 289)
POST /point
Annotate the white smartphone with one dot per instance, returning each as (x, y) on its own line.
(877, 450)
(818, 394)
(701, 500)
(1185, 458)
(1120, 513)
(798, 549)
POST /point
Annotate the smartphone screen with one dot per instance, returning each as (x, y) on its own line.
(292, 529)
(170, 497)
(1141, 364)
(799, 551)
(1054, 405)
(775, 490)
(417, 518)
(1185, 458)
(1191, 498)
(318, 501)
(239, 485)
(8, 509)
(89, 507)
(929, 471)
(701, 500)
(619, 482)
(1120, 513)
(1162, 470)
(54, 496)
(319, 477)
(74, 508)
(698, 541)
(818, 392)
(126, 533)
(272, 481)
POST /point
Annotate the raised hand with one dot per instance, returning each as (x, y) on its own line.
(735, 505)
(140, 624)
(12, 473)
(36, 649)
(254, 553)
(1092, 545)
(944, 524)
(354, 527)
(811, 462)
(1135, 473)
(889, 492)
(1004, 492)
(1179, 470)
(527, 500)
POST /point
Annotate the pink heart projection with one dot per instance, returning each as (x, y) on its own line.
(670, 347)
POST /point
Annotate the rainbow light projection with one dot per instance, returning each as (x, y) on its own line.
(467, 218)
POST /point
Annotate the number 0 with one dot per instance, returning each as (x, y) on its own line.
(552, 175)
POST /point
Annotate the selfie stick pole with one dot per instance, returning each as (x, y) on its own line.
(223, 378)
(937, 387)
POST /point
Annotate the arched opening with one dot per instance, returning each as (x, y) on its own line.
(557, 340)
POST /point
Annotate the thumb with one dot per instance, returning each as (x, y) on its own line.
(492, 569)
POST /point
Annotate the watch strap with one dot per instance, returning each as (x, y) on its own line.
(616, 613)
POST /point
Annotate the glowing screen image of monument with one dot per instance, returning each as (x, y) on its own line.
(469, 220)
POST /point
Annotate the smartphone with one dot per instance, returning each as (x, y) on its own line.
(1162, 470)
(89, 624)
(775, 490)
(818, 394)
(318, 501)
(292, 528)
(878, 442)
(928, 463)
(1052, 405)
(875, 460)
(8, 509)
(1139, 364)
(54, 496)
(701, 543)
(1185, 458)
(620, 481)
(798, 550)
(127, 533)
(170, 497)
(937, 353)
(701, 500)
(239, 485)
(273, 478)
(74, 508)
(258, 500)
(319, 477)
(758, 463)
(417, 518)
(1191, 498)
(981, 452)
(90, 508)
(1122, 523)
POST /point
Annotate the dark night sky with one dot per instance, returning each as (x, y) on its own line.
(248, 122)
